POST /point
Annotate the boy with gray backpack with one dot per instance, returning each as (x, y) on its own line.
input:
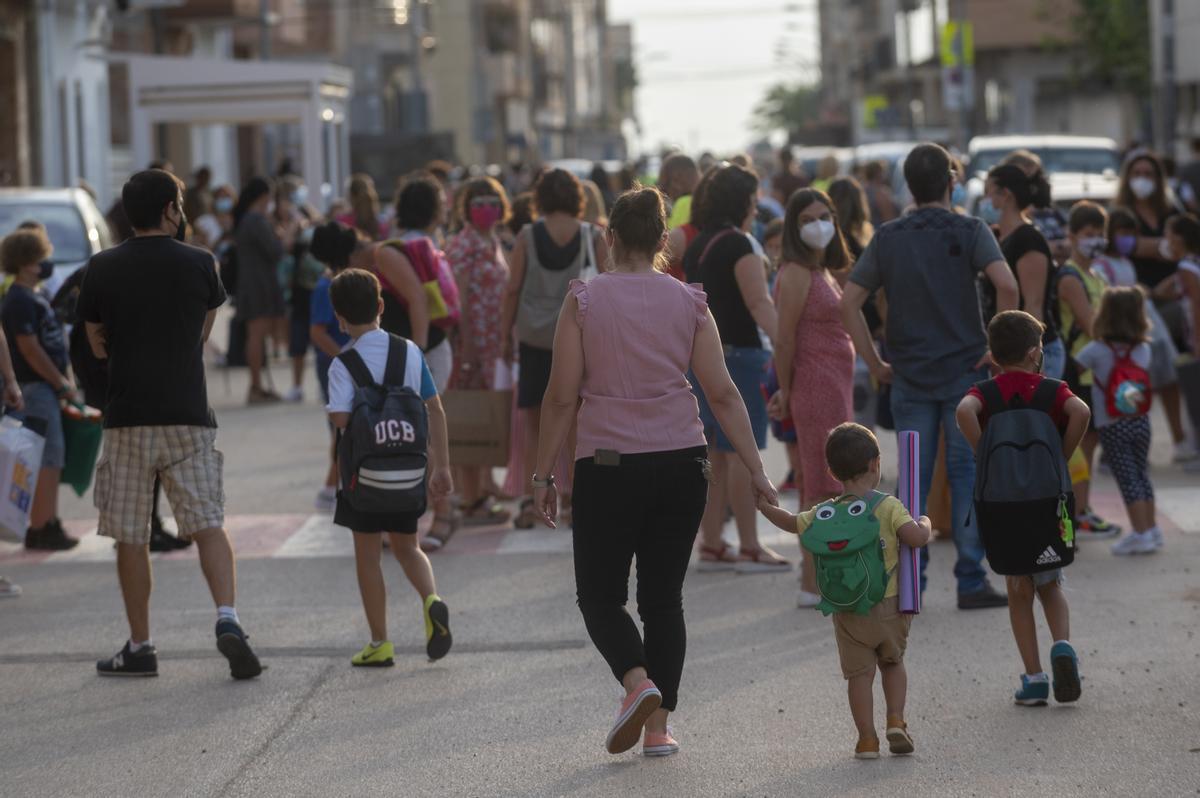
(854, 541)
(392, 453)
(1023, 428)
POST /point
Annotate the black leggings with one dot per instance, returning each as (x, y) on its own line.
(649, 506)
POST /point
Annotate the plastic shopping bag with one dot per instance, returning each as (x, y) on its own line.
(20, 460)
(83, 432)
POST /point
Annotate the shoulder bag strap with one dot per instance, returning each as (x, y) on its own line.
(359, 372)
(1045, 394)
(713, 242)
(993, 400)
(397, 361)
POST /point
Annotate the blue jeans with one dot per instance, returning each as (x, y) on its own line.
(1054, 359)
(928, 416)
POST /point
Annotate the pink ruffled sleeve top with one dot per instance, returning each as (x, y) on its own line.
(638, 331)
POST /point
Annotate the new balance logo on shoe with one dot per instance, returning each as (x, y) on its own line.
(1048, 556)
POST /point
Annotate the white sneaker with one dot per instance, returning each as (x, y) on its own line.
(8, 589)
(806, 600)
(1134, 543)
(294, 395)
(326, 501)
(1185, 452)
(1156, 536)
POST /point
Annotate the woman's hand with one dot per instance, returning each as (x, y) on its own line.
(764, 491)
(545, 502)
(1166, 290)
(882, 372)
(778, 406)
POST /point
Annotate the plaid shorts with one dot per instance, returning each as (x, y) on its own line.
(189, 465)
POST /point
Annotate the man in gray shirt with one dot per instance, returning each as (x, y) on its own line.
(927, 263)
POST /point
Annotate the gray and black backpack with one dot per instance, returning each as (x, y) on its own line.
(382, 453)
(1023, 498)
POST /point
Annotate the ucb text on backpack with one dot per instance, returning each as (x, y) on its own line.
(436, 278)
(1023, 498)
(382, 453)
(1127, 392)
(848, 553)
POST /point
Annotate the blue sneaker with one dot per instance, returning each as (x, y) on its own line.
(1065, 666)
(1034, 692)
(231, 642)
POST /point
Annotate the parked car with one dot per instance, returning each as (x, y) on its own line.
(1079, 167)
(75, 225)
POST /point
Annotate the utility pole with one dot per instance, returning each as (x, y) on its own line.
(264, 29)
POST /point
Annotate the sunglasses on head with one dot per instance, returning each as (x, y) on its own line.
(482, 202)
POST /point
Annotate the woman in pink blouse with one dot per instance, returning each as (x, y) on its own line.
(479, 267)
(624, 345)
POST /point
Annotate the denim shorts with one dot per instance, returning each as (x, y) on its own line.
(41, 401)
(748, 369)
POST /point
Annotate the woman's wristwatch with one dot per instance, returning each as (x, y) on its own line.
(548, 482)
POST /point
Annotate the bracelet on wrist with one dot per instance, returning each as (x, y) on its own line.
(548, 482)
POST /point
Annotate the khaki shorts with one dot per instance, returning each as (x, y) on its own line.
(865, 641)
(187, 462)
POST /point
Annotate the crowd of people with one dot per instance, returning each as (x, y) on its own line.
(660, 336)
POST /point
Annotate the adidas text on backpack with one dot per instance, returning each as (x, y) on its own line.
(382, 454)
(1023, 498)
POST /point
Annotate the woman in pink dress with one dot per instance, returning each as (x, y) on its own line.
(814, 357)
(481, 271)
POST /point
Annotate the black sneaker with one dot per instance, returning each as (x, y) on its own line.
(162, 540)
(231, 641)
(128, 663)
(51, 537)
(983, 599)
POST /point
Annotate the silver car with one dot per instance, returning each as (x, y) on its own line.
(76, 227)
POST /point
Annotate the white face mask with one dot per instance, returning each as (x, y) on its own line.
(817, 234)
(1142, 187)
(1093, 247)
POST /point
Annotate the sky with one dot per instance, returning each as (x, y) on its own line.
(703, 65)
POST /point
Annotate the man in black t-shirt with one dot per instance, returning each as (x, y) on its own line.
(149, 305)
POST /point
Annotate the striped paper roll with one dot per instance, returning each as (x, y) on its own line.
(910, 496)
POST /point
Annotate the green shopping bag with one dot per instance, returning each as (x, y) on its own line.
(83, 432)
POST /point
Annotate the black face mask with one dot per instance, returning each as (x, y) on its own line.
(45, 270)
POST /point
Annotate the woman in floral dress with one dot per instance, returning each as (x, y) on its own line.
(479, 267)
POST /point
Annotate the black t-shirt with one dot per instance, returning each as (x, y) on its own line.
(1152, 271)
(716, 274)
(153, 294)
(28, 312)
(1016, 245)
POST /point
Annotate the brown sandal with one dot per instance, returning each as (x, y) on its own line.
(485, 512)
(440, 533)
(527, 517)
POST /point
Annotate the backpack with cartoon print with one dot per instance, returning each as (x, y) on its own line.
(847, 551)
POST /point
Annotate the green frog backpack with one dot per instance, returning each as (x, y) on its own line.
(848, 552)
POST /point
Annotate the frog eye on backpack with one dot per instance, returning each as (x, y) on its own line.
(825, 513)
(857, 508)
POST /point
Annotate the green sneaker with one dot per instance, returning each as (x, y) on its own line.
(437, 628)
(381, 656)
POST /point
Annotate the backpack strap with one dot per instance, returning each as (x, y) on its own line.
(877, 498)
(397, 361)
(357, 367)
(1045, 394)
(993, 400)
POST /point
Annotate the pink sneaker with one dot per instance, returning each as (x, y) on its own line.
(660, 744)
(637, 707)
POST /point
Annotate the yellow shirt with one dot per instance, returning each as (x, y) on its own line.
(681, 213)
(891, 515)
(1093, 285)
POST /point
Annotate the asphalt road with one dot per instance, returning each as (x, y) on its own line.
(522, 704)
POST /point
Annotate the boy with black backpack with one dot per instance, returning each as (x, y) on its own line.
(1023, 428)
(854, 541)
(393, 434)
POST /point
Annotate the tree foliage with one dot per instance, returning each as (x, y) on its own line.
(1112, 38)
(787, 107)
